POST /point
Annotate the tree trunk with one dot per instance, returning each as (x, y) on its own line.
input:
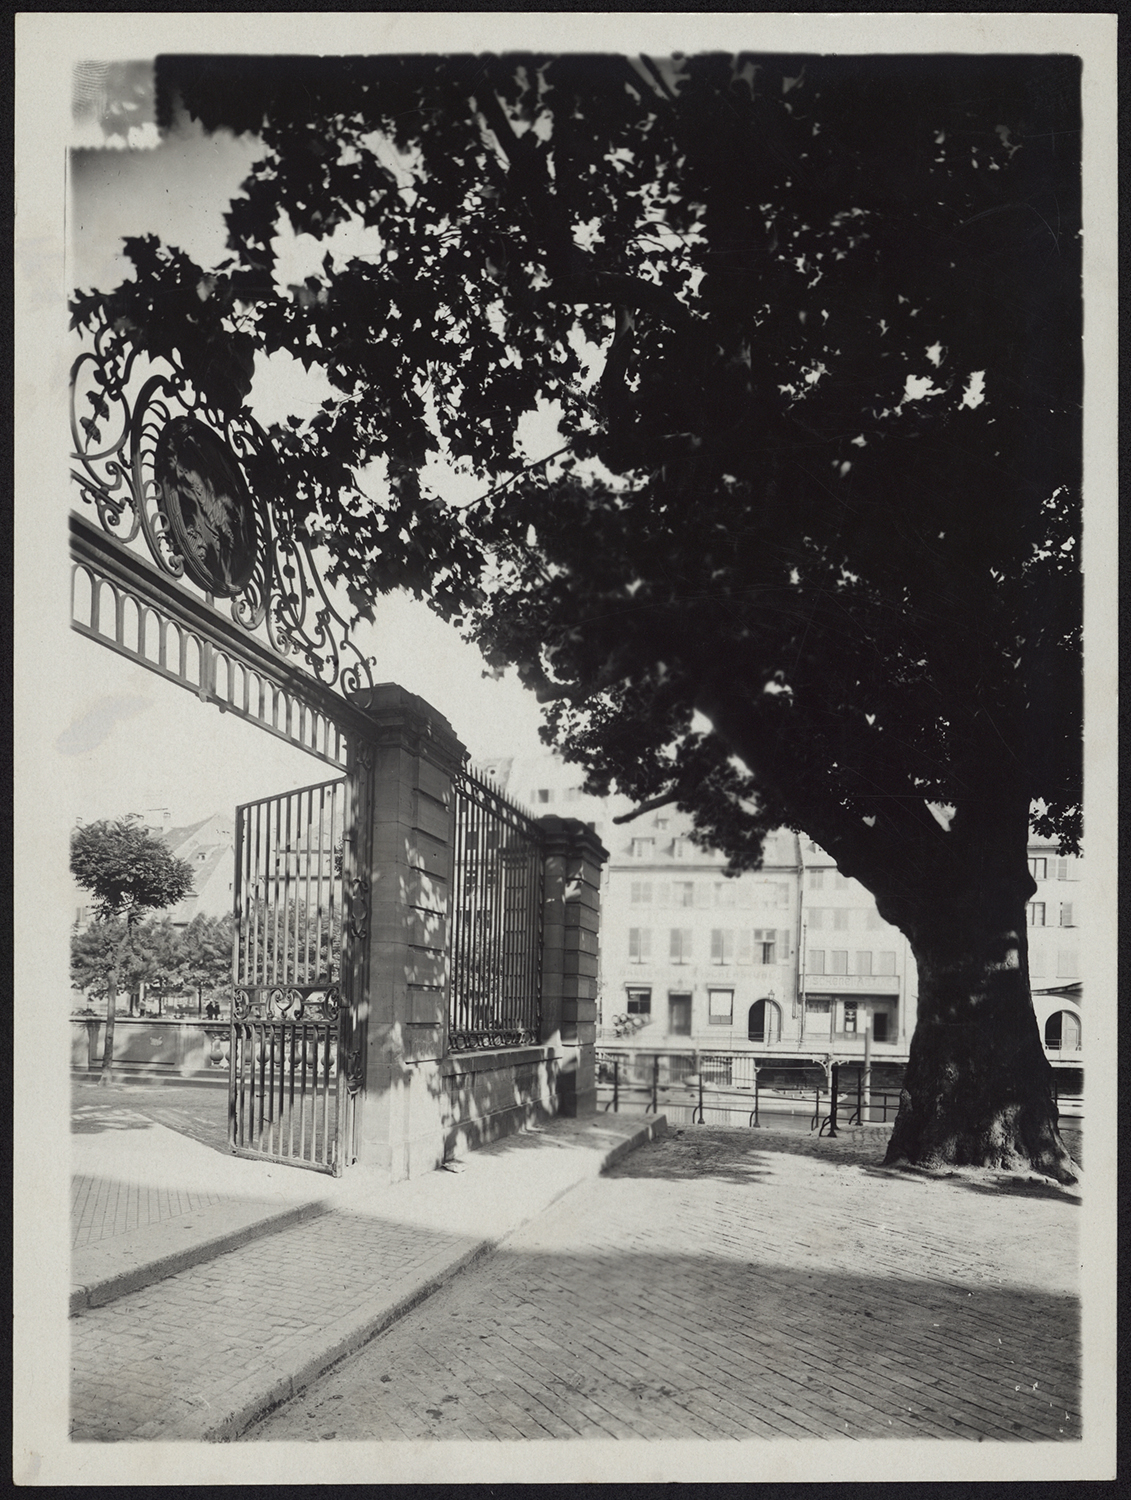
(111, 1009)
(978, 1089)
(108, 1044)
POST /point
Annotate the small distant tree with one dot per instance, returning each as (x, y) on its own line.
(206, 955)
(128, 873)
(162, 958)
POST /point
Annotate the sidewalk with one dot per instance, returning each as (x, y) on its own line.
(207, 1288)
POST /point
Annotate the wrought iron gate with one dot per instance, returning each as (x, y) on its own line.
(291, 1087)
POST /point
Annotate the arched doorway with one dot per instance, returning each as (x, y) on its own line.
(1062, 1031)
(764, 1022)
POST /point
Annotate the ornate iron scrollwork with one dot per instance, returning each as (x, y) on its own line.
(476, 1041)
(287, 1003)
(359, 908)
(163, 467)
(355, 1072)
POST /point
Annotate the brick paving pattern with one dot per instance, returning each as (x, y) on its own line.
(151, 1363)
(736, 1284)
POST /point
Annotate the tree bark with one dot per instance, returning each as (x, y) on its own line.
(978, 1088)
(111, 1010)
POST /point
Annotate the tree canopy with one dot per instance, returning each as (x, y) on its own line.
(127, 870)
(811, 330)
(804, 549)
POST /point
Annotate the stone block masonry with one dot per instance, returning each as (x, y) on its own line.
(420, 1104)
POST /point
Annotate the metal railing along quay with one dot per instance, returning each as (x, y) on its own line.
(740, 1084)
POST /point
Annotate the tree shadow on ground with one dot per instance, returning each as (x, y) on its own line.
(734, 1155)
(200, 1114)
(993, 1184)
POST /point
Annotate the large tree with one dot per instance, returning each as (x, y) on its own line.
(810, 328)
(128, 872)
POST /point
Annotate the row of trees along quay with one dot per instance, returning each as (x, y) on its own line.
(173, 964)
(806, 552)
(130, 874)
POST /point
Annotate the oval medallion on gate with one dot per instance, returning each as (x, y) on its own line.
(206, 501)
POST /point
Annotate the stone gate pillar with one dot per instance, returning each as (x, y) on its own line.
(573, 856)
(415, 754)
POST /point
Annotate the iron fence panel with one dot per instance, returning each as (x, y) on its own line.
(495, 972)
(288, 1090)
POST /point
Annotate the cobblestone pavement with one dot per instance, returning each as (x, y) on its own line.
(104, 1205)
(737, 1284)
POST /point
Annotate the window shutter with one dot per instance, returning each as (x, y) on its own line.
(1062, 869)
(746, 946)
(783, 945)
(1066, 913)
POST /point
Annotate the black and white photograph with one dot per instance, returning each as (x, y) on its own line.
(565, 748)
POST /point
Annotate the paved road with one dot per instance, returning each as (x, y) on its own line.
(735, 1284)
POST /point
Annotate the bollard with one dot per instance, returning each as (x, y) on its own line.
(655, 1104)
(833, 1100)
(755, 1096)
(702, 1118)
(616, 1084)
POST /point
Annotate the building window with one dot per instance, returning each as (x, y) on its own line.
(781, 890)
(639, 1002)
(816, 918)
(880, 1026)
(683, 893)
(885, 963)
(850, 1015)
(863, 963)
(1066, 914)
(643, 848)
(816, 880)
(680, 945)
(641, 893)
(1062, 1032)
(724, 893)
(872, 920)
(661, 822)
(1067, 964)
(680, 848)
(1062, 870)
(679, 1015)
(543, 794)
(765, 946)
(840, 919)
(639, 945)
(573, 794)
(838, 961)
(1036, 913)
(817, 1006)
(763, 1024)
(1039, 869)
(722, 946)
(720, 1007)
(816, 961)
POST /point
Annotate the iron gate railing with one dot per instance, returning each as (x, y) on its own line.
(495, 974)
(289, 1091)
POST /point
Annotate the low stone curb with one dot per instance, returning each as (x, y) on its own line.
(155, 1263)
(251, 1403)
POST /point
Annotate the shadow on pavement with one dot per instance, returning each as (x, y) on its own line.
(737, 1155)
(200, 1114)
(662, 1345)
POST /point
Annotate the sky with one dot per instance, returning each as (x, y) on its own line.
(134, 742)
